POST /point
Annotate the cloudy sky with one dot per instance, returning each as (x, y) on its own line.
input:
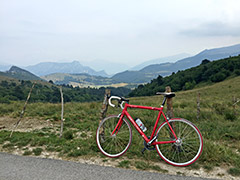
(127, 31)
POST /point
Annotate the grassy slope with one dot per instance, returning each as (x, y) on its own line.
(219, 124)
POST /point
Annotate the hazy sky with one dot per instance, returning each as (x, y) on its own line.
(127, 31)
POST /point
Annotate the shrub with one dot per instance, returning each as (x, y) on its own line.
(27, 153)
(220, 76)
(37, 151)
(68, 135)
(234, 171)
(230, 116)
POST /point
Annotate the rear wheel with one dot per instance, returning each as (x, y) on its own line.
(188, 145)
(117, 144)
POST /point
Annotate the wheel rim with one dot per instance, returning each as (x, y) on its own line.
(117, 144)
(188, 145)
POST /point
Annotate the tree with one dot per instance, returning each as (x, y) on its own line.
(205, 61)
(220, 76)
(17, 92)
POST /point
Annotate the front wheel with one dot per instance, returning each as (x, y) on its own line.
(117, 144)
(188, 146)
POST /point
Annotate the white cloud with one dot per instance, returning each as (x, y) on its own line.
(212, 29)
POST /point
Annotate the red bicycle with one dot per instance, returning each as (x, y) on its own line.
(177, 140)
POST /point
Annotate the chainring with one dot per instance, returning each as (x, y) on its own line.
(150, 148)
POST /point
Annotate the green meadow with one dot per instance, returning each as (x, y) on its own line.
(219, 123)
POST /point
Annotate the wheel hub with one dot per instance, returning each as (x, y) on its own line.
(178, 142)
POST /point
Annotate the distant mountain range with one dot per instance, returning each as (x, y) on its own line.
(76, 74)
(152, 71)
(74, 67)
(108, 66)
(160, 60)
(20, 74)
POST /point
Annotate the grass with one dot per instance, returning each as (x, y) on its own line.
(27, 153)
(219, 124)
(234, 171)
(124, 164)
(141, 165)
(37, 151)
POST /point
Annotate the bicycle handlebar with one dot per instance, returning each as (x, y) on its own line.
(119, 101)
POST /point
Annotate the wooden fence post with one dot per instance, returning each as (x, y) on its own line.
(62, 101)
(170, 114)
(198, 106)
(169, 103)
(105, 105)
(23, 110)
(104, 109)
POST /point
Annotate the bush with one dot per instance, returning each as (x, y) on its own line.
(218, 77)
(237, 72)
(27, 153)
(234, 171)
(230, 116)
(68, 135)
(37, 151)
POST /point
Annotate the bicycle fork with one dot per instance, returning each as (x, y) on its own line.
(118, 126)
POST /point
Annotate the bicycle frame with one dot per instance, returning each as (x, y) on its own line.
(125, 113)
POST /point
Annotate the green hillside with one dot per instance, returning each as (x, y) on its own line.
(206, 73)
(219, 124)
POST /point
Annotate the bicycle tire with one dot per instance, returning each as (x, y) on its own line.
(187, 149)
(116, 145)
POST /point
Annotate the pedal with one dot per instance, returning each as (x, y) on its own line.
(144, 149)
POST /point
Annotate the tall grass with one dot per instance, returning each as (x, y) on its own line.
(219, 124)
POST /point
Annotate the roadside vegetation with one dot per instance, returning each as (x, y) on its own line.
(219, 123)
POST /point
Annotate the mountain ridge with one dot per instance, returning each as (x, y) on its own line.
(206, 72)
(20, 74)
(45, 68)
(160, 61)
(164, 69)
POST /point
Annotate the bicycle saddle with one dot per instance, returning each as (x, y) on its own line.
(168, 95)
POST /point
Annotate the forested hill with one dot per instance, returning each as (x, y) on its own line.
(14, 90)
(207, 72)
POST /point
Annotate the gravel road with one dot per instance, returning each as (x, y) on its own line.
(14, 167)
